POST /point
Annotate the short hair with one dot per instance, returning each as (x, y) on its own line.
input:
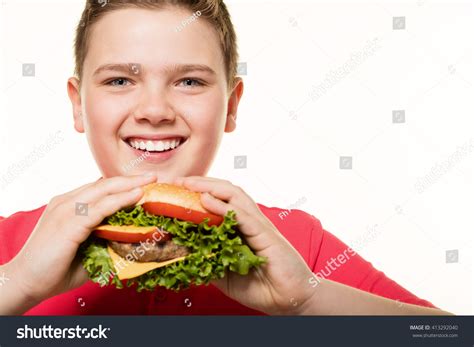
(214, 11)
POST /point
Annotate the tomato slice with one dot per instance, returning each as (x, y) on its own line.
(186, 214)
(131, 236)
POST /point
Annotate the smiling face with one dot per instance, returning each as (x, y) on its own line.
(148, 85)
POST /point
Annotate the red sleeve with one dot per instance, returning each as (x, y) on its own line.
(336, 261)
(15, 230)
(330, 258)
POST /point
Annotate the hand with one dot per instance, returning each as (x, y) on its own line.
(278, 287)
(47, 265)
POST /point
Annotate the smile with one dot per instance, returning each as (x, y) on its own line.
(155, 145)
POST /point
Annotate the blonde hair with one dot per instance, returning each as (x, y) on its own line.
(214, 11)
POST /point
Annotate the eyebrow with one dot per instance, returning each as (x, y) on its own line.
(132, 68)
(184, 68)
(125, 68)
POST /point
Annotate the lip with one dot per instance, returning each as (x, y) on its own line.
(155, 157)
(154, 137)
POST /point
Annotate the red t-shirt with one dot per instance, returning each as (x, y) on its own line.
(317, 246)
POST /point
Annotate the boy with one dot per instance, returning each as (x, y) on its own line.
(159, 78)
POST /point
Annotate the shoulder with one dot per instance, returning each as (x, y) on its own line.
(21, 217)
(283, 216)
(15, 230)
(303, 230)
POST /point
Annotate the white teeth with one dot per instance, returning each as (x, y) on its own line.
(159, 146)
(150, 146)
(155, 146)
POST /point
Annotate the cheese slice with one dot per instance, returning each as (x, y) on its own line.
(129, 229)
(126, 269)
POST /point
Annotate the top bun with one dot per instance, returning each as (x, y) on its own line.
(171, 194)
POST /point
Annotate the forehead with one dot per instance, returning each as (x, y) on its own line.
(151, 37)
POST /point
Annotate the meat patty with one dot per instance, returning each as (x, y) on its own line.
(152, 251)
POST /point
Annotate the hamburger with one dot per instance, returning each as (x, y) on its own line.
(167, 239)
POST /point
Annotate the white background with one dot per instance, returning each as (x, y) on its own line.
(292, 141)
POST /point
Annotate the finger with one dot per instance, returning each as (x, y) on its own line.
(222, 284)
(81, 188)
(220, 189)
(214, 205)
(112, 203)
(248, 222)
(85, 186)
(256, 228)
(114, 185)
(180, 180)
(78, 275)
(108, 205)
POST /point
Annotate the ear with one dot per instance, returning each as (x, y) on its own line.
(233, 105)
(73, 90)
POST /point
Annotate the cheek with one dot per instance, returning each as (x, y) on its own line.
(104, 117)
(207, 118)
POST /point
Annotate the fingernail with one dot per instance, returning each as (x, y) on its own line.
(149, 174)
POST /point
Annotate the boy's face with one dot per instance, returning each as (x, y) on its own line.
(144, 80)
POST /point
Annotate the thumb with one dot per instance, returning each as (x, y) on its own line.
(222, 284)
(78, 275)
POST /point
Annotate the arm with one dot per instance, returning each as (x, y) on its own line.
(351, 274)
(332, 298)
(285, 284)
(12, 301)
(47, 264)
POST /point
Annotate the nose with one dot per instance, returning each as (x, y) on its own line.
(154, 106)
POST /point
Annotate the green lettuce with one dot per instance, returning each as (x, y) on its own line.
(214, 250)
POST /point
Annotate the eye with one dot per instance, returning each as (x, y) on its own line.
(191, 82)
(118, 82)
